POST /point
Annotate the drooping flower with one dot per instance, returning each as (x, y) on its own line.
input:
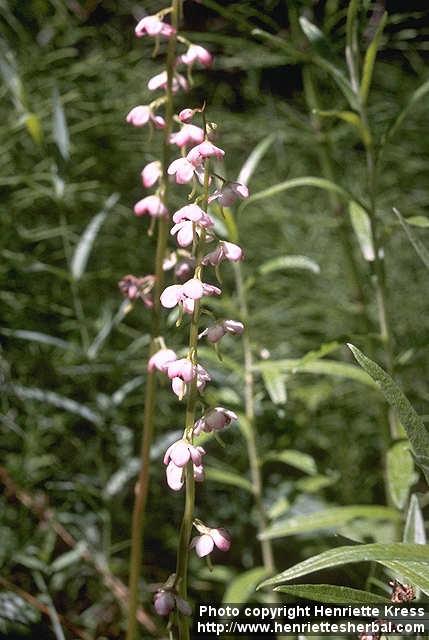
(188, 134)
(214, 420)
(161, 359)
(142, 114)
(186, 115)
(197, 53)
(202, 151)
(209, 538)
(182, 169)
(133, 288)
(151, 205)
(160, 81)
(224, 251)
(179, 383)
(151, 173)
(190, 291)
(229, 193)
(185, 219)
(166, 600)
(216, 331)
(153, 26)
(180, 452)
(183, 369)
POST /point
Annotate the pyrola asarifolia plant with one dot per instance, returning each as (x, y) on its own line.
(199, 251)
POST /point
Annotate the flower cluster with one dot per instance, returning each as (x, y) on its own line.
(198, 248)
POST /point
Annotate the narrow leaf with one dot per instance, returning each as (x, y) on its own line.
(400, 473)
(252, 162)
(289, 262)
(36, 336)
(84, 246)
(323, 367)
(414, 527)
(418, 221)
(297, 459)
(60, 129)
(368, 65)
(418, 95)
(413, 424)
(376, 552)
(308, 181)
(275, 384)
(419, 248)
(228, 477)
(331, 593)
(327, 519)
(68, 558)
(362, 228)
(243, 586)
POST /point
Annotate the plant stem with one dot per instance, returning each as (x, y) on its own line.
(142, 485)
(249, 410)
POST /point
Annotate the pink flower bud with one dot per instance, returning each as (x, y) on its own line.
(224, 251)
(163, 602)
(233, 327)
(153, 26)
(205, 543)
(214, 420)
(186, 115)
(229, 193)
(151, 205)
(215, 333)
(196, 52)
(188, 134)
(182, 170)
(151, 173)
(206, 149)
(161, 359)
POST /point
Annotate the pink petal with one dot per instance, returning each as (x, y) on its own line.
(204, 545)
(185, 236)
(221, 538)
(180, 453)
(193, 289)
(178, 387)
(151, 173)
(174, 476)
(171, 296)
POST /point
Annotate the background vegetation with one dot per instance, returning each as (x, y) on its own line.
(73, 355)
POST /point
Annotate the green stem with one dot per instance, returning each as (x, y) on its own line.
(181, 581)
(251, 436)
(142, 485)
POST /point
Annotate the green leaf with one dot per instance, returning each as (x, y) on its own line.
(368, 65)
(244, 585)
(414, 530)
(331, 593)
(419, 248)
(362, 228)
(60, 129)
(68, 558)
(308, 181)
(400, 473)
(228, 477)
(36, 336)
(314, 484)
(418, 95)
(340, 79)
(317, 38)
(252, 162)
(84, 246)
(418, 221)
(275, 384)
(289, 262)
(351, 25)
(351, 118)
(413, 424)
(327, 519)
(108, 326)
(377, 552)
(323, 367)
(302, 461)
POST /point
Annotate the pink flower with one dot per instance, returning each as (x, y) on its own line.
(153, 26)
(165, 601)
(161, 359)
(178, 293)
(133, 288)
(151, 173)
(218, 330)
(183, 369)
(160, 81)
(205, 543)
(188, 134)
(224, 251)
(206, 149)
(179, 383)
(151, 205)
(182, 169)
(186, 115)
(142, 114)
(229, 193)
(196, 52)
(181, 452)
(185, 218)
(214, 420)
(175, 475)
